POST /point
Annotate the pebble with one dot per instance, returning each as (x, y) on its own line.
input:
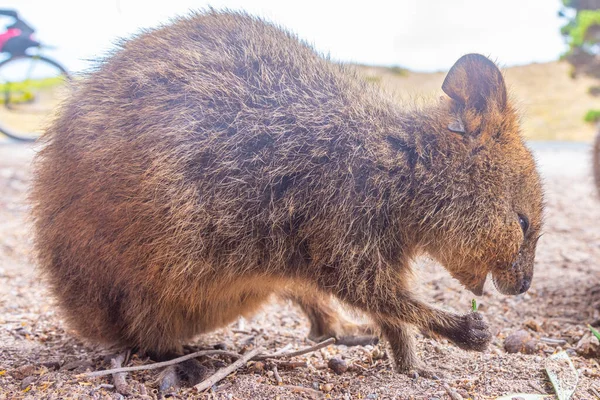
(533, 325)
(258, 366)
(338, 365)
(220, 346)
(588, 346)
(27, 381)
(23, 371)
(520, 342)
(327, 387)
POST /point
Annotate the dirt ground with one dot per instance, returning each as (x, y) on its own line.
(40, 357)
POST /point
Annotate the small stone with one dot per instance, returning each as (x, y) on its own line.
(531, 347)
(588, 346)
(257, 367)
(520, 342)
(23, 371)
(373, 396)
(328, 387)
(25, 383)
(338, 365)
(533, 325)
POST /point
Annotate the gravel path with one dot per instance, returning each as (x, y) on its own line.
(40, 358)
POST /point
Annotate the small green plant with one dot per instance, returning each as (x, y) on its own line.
(582, 34)
(594, 331)
(592, 116)
(474, 305)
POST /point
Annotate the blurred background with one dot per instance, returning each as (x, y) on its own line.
(403, 45)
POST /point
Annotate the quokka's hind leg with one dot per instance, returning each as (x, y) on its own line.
(401, 338)
(328, 322)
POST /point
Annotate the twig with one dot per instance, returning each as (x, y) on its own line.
(223, 372)
(452, 393)
(204, 353)
(314, 393)
(242, 331)
(119, 377)
(277, 376)
(160, 364)
(292, 364)
(104, 386)
(310, 349)
(553, 341)
(283, 349)
(595, 392)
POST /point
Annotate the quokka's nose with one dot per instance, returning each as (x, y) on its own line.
(525, 285)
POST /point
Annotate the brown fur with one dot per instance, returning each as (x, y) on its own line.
(208, 164)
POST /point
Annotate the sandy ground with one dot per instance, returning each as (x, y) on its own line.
(40, 357)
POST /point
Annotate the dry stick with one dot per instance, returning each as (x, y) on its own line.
(553, 341)
(277, 376)
(284, 349)
(310, 349)
(119, 377)
(595, 392)
(178, 360)
(292, 364)
(223, 372)
(161, 364)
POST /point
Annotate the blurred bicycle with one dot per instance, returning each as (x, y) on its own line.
(31, 85)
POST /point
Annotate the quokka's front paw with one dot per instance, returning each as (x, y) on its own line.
(471, 332)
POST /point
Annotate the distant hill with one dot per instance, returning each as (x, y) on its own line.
(552, 104)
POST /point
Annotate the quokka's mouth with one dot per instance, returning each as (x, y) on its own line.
(512, 284)
(476, 286)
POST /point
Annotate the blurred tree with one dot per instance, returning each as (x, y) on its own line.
(582, 33)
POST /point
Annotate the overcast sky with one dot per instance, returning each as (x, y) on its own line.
(425, 35)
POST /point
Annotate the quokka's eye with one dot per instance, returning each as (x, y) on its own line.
(524, 222)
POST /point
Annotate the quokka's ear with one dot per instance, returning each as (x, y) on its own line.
(475, 82)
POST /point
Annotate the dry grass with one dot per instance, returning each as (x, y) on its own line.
(553, 104)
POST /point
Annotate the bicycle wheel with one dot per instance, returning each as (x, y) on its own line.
(31, 87)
